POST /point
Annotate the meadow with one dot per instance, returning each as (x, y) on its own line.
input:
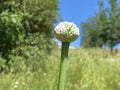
(87, 69)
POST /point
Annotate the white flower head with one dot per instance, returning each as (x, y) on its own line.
(15, 86)
(66, 31)
(16, 82)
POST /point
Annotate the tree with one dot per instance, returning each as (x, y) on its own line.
(26, 24)
(10, 25)
(90, 33)
(107, 23)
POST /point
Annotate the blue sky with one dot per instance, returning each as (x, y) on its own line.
(77, 11)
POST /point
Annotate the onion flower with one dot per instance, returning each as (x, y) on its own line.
(66, 32)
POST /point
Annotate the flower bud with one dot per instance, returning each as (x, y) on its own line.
(66, 31)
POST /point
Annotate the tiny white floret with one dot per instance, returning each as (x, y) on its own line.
(66, 31)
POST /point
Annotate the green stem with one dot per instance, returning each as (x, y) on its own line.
(63, 65)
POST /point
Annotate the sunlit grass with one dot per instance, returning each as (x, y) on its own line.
(88, 69)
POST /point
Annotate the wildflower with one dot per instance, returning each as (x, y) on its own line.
(44, 74)
(66, 31)
(15, 86)
(16, 83)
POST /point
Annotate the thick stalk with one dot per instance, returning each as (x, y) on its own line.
(63, 65)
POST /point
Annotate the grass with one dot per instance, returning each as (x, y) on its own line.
(88, 69)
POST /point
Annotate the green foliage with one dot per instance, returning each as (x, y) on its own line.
(88, 69)
(24, 26)
(90, 33)
(40, 16)
(2, 63)
(104, 28)
(10, 26)
(108, 20)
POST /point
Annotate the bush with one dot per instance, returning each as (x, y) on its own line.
(25, 29)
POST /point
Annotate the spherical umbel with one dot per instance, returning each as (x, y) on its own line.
(66, 31)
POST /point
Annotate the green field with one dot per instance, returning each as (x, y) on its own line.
(88, 69)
